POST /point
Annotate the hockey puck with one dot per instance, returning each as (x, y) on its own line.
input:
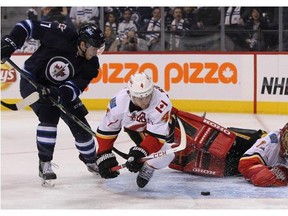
(205, 193)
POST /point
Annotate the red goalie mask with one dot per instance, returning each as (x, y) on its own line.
(284, 139)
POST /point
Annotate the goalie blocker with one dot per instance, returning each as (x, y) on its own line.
(212, 150)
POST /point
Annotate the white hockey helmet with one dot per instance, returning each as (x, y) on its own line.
(140, 85)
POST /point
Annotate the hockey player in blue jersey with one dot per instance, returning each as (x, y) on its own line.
(63, 66)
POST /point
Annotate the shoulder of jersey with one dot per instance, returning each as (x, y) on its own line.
(119, 102)
(160, 95)
(274, 137)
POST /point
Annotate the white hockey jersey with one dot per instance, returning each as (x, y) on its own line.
(268, 149)
(154, 119)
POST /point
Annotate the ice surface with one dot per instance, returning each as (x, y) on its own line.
(76, 188)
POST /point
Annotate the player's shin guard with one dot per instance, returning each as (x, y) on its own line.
(87, 154)
(46, 140)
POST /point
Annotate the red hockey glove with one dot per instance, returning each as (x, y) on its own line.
(281, 173)
(270, 177)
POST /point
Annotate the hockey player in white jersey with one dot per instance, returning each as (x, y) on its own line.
(266, 162)
(144, 112)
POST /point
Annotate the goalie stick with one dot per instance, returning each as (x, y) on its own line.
(32, 98)
(158, 154)
(60, 106)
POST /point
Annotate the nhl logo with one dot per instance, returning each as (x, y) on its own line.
(59, 69)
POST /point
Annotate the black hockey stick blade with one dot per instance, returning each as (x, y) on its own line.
(9, 106)
(32, 98)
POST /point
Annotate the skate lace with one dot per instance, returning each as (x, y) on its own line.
(47, 167)
(146, 172)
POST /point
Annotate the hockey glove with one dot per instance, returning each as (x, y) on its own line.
(275, 176)
(8, 47)
(105, 162)
(133, 164)
(281, 173)
(46, 92)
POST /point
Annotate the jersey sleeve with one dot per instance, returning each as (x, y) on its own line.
(157, 125)
(250, 165)
(51, 34)
(255, 164)
(255, 157)
(109, 128)
(159, 118)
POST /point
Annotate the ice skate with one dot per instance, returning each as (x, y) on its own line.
(92, 167)
(46, 174)
(144, 176)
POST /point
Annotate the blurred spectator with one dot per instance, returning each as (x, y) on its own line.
(235, 18)
(126, 25)
(133, 43)
(30, 45)
(153, 30)
(256, 23)
(177, 30)
(141, 16)
(32, 14)
(271, 37)
(115, 10)
(190, 16)
(208, 18)
(112, 21)
(84, 15)
(111, 43)
(56, 14)
(285, 27)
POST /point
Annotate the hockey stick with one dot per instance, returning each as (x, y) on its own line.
(61, 107)
(32, 98)
(180, 147)
(55, 102)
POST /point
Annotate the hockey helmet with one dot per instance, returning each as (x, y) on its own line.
(140, 85)
(91, 34)
(284, 139)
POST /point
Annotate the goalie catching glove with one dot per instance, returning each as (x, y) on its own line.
(135, 153)
(275, 176)
(105, 162)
